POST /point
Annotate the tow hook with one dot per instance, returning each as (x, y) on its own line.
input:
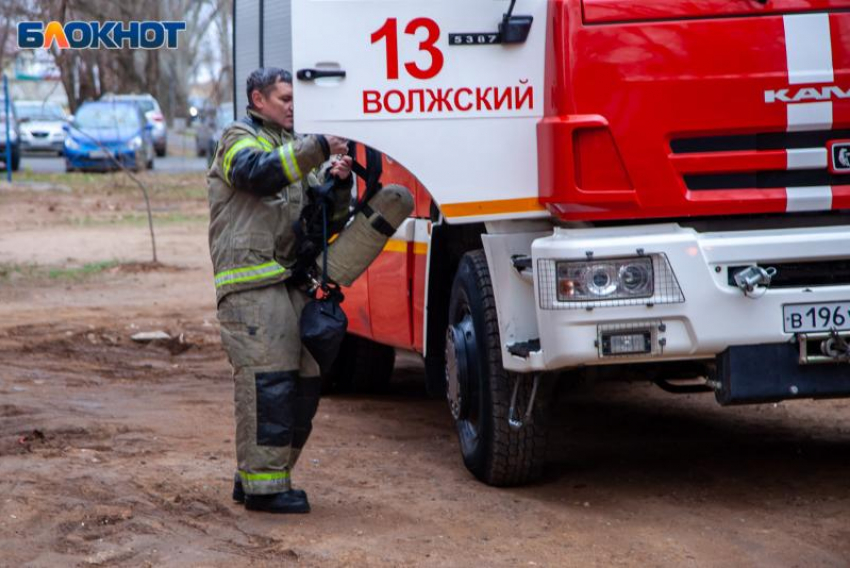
(517, 423)
(824, 347)
(755, 280)
(835, 347)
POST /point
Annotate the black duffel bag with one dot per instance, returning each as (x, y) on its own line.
(323, 323)
(323, 327)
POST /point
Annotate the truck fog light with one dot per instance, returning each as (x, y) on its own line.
(626, 343)
(614, 279)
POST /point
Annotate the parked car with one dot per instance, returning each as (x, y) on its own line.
(14, 137)
(153, 114)
(101, 129)
(196, 108)
(213, 122)
(41, 125)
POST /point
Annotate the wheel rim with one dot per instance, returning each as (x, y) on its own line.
(462, 367)
(455, 370)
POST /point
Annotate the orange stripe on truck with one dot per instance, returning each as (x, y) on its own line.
(396, 245)
(475, 208)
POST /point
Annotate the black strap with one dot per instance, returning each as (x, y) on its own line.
(359, 170)
(325, 245)
(378, 223)
(370, 174)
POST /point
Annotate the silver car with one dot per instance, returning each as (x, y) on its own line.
(153, 114)
(40, 124)
(212, 124)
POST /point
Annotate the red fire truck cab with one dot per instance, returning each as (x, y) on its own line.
(657, 188)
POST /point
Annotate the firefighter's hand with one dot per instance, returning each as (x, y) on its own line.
(337, 145)
(341, 167)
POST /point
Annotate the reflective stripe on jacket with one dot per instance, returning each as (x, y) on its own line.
(257, 187)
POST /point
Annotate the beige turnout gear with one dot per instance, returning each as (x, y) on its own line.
(276, 380)
(257, 188)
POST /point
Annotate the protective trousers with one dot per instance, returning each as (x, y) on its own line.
(277, 383)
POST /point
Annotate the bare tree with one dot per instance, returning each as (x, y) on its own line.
(164, 73)
(199, 15)
(13, 11)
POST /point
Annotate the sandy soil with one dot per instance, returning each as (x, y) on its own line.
(114, 453)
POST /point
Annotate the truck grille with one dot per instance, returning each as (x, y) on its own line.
(803, 274)
(761, 141)
(764, 180)
(767, 160)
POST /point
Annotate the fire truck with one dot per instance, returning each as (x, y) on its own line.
(604, 189)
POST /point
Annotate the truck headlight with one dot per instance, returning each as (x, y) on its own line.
(606, 282)
(71, 143)
(136, 142)
(614, 279)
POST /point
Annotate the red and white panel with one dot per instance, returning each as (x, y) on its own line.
(808, 51)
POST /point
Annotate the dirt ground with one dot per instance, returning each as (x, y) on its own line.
(114, 453)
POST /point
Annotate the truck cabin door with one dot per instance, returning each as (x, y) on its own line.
(434, 85)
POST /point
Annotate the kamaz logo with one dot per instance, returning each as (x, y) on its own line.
(806, 94)
(94, 35)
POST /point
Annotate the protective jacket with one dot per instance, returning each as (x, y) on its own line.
(258, 184)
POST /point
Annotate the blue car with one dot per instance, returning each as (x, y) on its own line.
(102, 131)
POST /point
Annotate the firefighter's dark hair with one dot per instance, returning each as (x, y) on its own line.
(264, 78)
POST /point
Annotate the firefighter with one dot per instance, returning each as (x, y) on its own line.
(258, 184)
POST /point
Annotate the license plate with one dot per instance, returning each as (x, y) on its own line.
(805, 318)
(98, 154)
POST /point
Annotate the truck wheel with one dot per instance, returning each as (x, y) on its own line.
(362, 366)
(16, 161)
(479, 389)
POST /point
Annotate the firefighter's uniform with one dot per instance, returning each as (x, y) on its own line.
(257, 189)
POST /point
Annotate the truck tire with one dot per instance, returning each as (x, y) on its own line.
(492, 451)
(362, 366)
(16, 160)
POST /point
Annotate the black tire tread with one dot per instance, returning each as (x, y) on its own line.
(516, 457)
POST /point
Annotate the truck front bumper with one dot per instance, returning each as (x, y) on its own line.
(707, 317)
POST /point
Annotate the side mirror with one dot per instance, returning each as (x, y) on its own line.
(66, 127)
(514, 29)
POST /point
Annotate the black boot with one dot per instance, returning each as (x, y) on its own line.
(287, 502)
(239, 491)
